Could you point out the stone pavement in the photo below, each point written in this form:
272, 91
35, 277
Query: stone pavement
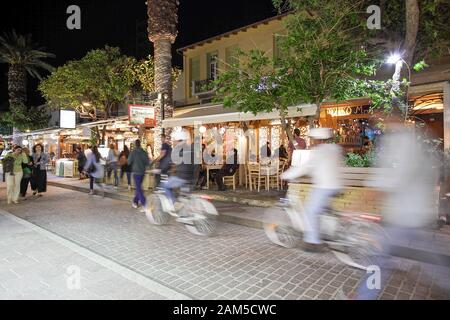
36, 264
248, 208
237, 263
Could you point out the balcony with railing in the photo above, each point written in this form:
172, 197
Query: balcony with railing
203, 89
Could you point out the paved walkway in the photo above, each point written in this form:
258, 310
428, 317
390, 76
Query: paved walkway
37, 264
247, 208
237, 263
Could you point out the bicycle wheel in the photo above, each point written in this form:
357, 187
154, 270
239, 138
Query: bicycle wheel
277, 228
154, 211
202, 216
362, 245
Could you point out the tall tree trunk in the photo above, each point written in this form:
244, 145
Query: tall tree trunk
17, 89
286, 126
163, 85
412, 28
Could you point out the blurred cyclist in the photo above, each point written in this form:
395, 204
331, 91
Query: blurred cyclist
324, 168
183, 158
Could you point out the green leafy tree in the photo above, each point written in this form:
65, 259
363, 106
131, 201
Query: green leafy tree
91, 86
323, 53
102, 79
328, 53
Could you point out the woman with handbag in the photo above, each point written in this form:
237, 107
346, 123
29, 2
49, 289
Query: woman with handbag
27, 172
40, 160
95, 170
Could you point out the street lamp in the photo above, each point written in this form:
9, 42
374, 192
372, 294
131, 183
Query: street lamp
396, 58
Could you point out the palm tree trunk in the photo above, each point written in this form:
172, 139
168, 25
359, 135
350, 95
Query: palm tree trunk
412, 28
17, 89
163, 85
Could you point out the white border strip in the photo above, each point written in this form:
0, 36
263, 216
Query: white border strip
139, 279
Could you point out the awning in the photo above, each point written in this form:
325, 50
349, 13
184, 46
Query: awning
219, 114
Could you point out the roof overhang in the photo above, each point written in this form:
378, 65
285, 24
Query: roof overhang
219, 114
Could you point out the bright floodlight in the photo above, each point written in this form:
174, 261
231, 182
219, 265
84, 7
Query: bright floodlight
394, 58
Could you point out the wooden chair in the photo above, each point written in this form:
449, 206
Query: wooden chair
273, 173
255, 176
283, 167
230, 180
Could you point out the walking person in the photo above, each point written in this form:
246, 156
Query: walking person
95, 170
40, 160
81, 162
112, 164
124, 167
27, 173
14, 173
139, 162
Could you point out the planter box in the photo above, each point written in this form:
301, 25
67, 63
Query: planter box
357, 196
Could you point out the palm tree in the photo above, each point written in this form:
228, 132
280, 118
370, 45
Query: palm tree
162, 31
23, 56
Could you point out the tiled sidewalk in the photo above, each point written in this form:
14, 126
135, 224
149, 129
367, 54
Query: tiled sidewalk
35, 264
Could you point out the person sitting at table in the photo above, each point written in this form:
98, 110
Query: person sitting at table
282, 153
228, 169
265, 153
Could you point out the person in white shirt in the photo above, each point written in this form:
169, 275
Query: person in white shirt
324, 167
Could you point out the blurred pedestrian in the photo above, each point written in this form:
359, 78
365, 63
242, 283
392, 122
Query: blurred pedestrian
81, 157
95, 170
406, 180
124, 167
112, 164
138, 161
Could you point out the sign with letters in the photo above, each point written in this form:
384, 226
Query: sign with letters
142, 115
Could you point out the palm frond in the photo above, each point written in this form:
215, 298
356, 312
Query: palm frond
16, 49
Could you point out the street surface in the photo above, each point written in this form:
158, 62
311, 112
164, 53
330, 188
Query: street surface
120, 255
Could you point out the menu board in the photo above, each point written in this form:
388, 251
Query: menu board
142, 115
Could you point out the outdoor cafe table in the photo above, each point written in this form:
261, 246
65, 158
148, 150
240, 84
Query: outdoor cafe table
211, 167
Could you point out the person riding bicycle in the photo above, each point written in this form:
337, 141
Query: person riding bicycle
324, 168
183, 159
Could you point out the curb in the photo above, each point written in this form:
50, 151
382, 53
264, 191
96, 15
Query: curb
222, 217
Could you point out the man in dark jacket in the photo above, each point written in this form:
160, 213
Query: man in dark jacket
228, 169
138, 161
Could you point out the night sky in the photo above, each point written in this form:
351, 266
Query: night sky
118, 23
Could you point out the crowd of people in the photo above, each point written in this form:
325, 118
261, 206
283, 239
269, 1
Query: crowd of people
22, 170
